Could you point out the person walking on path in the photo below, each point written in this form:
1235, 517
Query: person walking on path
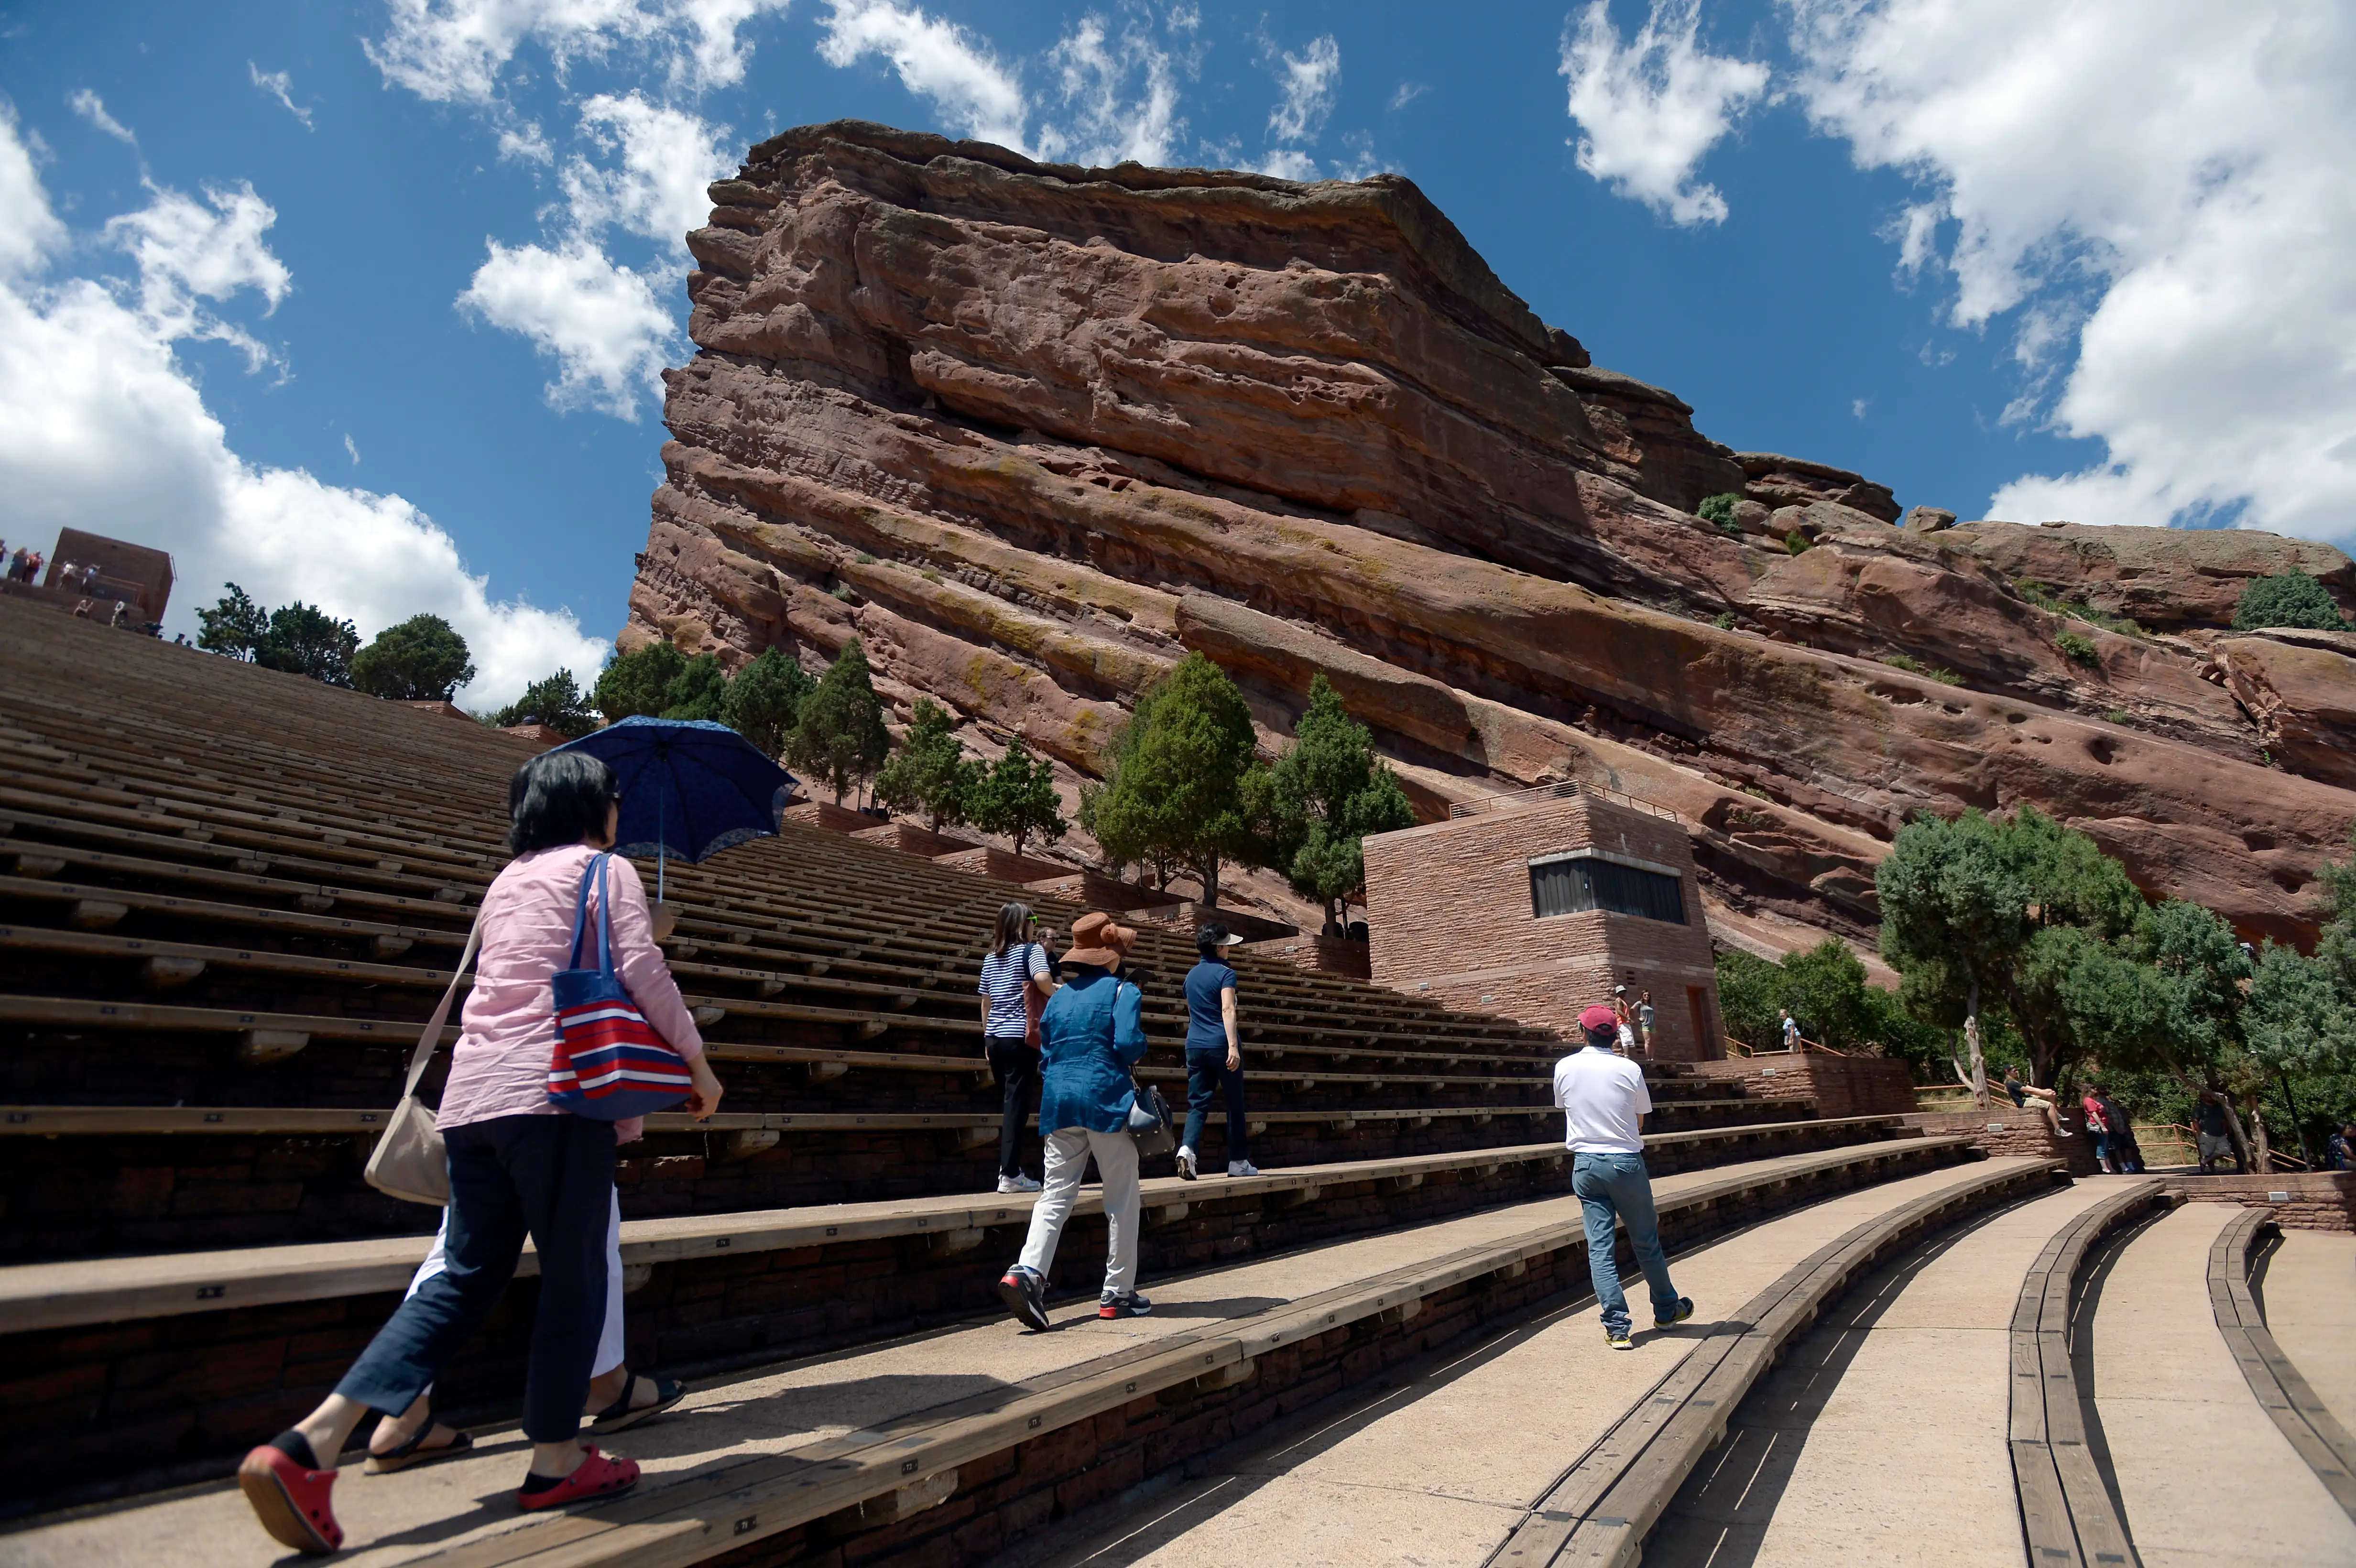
1015, 967
2342, 1147
1214, 1055
518, 1165
2098, 1127
1605, 1101
2213, 1132
2124, 1152
2047, 1101
1623, 1020
1644, 1020
1791, 1029
1092, 1033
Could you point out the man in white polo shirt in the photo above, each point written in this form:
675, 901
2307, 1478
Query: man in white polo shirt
1603, 1100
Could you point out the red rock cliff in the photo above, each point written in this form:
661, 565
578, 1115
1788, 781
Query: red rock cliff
1032, 432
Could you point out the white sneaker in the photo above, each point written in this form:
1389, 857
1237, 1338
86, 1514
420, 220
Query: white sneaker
1185, 1164
1242, 1168
1017, 1184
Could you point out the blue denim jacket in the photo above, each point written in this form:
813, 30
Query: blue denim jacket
1090, 1034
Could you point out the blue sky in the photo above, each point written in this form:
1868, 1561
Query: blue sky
418, 261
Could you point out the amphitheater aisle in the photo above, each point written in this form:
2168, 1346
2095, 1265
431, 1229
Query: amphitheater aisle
1882, 1438
2206, 1478
1439, 1467
2311, 1306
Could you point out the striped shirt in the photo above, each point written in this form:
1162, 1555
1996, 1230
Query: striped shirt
1003, 975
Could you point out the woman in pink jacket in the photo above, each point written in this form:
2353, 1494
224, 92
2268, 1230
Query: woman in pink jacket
519, 1166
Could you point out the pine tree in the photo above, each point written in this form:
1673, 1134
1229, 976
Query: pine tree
638, 682
1181, 772
1017, 797
234, 627
697, 691
1322, 798
765, 699
839, 736
556, 701
304, 639
930, 775
424, 659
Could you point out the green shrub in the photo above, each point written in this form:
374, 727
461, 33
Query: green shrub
1725, 622
865, 559
1718, 510
2291, 599
1913, 666
2036, 593
2119, 716
1906, 662
2080, 649
1798, 543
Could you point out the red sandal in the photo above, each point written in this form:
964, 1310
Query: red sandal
290, 1498
596, 1477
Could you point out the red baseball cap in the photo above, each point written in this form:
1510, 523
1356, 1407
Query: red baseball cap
1599, 1017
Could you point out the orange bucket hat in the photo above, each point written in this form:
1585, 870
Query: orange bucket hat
1097, 942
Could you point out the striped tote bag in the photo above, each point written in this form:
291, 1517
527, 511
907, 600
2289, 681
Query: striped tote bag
609, 1063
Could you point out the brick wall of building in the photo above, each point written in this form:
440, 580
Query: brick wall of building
2312, 1201
1331, 955
1448, 910
2010, 1132
1841, 1086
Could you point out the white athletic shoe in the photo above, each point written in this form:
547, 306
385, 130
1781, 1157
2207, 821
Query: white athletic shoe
1017, 1184
1242, 1168
1185, 1164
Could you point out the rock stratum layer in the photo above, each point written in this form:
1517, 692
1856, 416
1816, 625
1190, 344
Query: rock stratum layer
1034, 432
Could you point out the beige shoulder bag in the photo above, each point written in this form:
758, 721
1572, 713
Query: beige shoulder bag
410, 1163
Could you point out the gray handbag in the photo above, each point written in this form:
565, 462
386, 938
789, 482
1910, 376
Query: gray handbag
409, 1162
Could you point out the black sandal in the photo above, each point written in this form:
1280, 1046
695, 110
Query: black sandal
413, 1453
620, 1416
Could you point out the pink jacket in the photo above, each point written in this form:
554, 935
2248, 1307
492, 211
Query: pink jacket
499, 1067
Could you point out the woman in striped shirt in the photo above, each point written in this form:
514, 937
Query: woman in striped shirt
1016, 962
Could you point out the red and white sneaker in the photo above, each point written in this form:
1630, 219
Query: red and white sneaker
596, 1477
290, 1498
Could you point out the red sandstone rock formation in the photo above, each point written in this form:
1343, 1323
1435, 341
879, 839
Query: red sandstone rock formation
1032, 432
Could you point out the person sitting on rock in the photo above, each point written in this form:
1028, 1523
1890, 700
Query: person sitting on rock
2047, 1100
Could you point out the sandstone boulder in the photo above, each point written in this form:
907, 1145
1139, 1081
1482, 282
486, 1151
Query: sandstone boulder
1774, 480
2164, 577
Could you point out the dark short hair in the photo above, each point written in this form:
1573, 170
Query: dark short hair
559, 798
1210, 939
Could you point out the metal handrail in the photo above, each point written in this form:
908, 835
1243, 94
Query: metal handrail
1563, 790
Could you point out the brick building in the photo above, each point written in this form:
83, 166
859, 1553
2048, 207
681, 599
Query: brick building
1532, 906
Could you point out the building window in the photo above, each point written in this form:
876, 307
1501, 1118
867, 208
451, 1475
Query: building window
1571, 884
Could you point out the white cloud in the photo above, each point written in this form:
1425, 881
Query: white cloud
2156, 193
99, 420
1107, 126
1648, 112
1308, 78
189, 252
599, 320
92, 108
280, 85
1858, 406
454, 51
524, 142
667, 157
936, 60
1287, 165
1409, 92
351, 448
28, 230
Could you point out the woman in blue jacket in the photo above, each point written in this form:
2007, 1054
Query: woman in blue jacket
1090, 1034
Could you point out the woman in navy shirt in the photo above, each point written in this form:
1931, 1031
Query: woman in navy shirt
1214, 1058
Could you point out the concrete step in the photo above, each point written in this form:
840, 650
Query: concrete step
2308, 1291
995, 1427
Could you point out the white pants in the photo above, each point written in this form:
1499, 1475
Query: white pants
1068, 1160
610, 1343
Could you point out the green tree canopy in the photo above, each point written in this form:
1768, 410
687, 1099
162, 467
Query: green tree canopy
1017, 797
638, 682
234, 627
555, 700
1825, 986
839, 736
766, 698
424, 659
304, 639
1177, 793
2288, 599
698, 692
930, 775
1320, 801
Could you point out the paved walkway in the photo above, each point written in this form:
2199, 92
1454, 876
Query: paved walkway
1438, 1469
2309, 1293
1882, 1438
2206, 1478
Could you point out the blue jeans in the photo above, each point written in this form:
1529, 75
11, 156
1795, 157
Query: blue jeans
1206, 1072
1616, 1186
553, 1178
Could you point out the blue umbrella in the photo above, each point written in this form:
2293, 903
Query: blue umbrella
690, 788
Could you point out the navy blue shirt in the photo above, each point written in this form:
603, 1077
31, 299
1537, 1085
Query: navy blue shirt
1206, 1028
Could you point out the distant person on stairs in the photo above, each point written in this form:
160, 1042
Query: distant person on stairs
1214, 1054
1092, 1033
1604, 1100
519, 1166
1015, 970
